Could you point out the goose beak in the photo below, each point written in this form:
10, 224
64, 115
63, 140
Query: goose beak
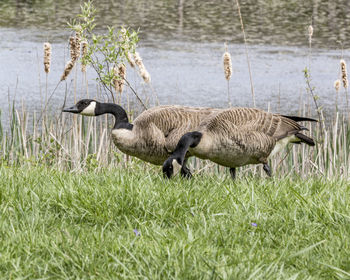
72, 109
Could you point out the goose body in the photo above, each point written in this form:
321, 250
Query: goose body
239, 136
154, 134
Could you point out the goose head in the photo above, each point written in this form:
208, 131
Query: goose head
172, 166
86, 107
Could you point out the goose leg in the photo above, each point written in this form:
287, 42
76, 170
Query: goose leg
233, 173
185, 171
267, 169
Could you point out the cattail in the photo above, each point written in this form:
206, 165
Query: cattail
84, 50
77, 44
47, 57
122, 76
131, 60
138, 60
67, 69
310, 31
337, 85
145, 75
344, 75
143, 72
72, 47
227, 65
119, 76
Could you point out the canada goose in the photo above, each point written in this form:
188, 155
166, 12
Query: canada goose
238, 136
154, 133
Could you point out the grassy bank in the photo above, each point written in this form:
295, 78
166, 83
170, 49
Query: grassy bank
131, 223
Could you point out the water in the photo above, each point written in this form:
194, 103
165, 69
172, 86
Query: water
181, 43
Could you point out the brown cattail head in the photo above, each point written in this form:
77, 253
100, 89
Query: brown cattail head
122, 76
67, 69
344, 74
131, 60
77, 44
72, 48
310, 30
227, 64
145, 75
337, 84
138, 60
47, 57
84, 50
143, 72
119, 76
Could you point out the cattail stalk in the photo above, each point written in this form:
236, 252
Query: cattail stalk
142, 69
246, 49
228, 72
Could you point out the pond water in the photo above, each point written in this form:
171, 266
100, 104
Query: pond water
182, 43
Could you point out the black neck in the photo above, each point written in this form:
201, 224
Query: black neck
121, 118
190, 139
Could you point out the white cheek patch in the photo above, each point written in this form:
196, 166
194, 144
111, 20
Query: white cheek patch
89, 110
176, 167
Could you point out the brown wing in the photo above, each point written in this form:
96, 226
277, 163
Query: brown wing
249, 120
171, 122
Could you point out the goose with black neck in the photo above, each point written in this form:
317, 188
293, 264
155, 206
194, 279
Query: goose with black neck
153, 135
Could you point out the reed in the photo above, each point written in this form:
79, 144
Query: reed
246, 48
80, 143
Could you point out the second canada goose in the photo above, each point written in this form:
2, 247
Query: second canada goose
238, 136
154, 133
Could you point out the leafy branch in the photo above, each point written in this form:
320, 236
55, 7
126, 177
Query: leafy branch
106, 51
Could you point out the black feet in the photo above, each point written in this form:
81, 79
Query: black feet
267, 169
233, 173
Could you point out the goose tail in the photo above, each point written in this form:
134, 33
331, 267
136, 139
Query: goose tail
300, 119
305, 139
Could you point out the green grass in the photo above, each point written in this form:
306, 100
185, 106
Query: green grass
61, 225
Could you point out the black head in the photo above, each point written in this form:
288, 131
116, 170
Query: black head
85, 107
172, 166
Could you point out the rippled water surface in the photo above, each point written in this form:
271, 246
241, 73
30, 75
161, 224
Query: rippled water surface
181, 43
